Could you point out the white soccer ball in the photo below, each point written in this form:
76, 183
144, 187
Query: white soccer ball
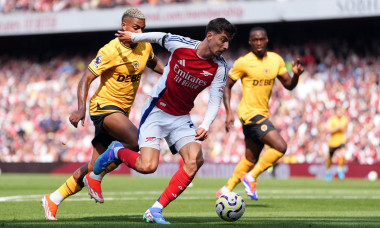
372, 176
230, 206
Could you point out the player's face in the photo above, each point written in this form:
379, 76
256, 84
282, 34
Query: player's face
218, 43
258, 41
133, 25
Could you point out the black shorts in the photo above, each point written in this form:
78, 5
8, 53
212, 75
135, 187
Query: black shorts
333, 149
259, 126
101, 135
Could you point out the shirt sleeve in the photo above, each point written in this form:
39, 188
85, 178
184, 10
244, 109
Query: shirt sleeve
166, 40
216, 95
237, 71
102, 62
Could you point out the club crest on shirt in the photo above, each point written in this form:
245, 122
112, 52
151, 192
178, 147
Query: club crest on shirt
264, 127
135, 65
206, 73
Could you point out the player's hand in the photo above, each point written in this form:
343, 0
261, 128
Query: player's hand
230, 119
201, 134
297, 68
124, 36
77, 116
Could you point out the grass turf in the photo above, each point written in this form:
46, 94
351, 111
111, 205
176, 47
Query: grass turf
282, 203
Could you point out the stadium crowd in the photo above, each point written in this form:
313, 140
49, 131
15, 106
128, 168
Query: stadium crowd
37, 97
11, 6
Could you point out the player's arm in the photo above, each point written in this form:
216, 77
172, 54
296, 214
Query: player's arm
82, 93
291, 82
216, 95
127, 37
156, 65
227, 103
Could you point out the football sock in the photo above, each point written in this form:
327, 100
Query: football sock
96, 177
56, 197
225, 189
157, 204
243, 167
177, 185
128, 156
328, 162
109, 169
70, 187
341, 162
267, 160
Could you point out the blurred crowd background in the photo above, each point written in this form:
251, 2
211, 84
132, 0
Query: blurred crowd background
37, 96
10, 6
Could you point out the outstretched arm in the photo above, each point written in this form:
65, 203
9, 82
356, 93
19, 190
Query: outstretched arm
127, 37
227, 104
82, 93
291, 82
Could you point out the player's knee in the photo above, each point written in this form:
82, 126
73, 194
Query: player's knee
148, 167
282, 147
194, 165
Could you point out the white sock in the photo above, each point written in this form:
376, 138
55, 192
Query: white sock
224, 189
157, 204
115, 150
56, 197
96, 177
249, 177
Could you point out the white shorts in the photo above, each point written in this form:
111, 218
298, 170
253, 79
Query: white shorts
156, 124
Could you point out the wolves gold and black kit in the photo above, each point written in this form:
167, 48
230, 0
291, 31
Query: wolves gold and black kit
120, 68
257, 78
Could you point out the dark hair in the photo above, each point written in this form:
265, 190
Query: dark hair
220, 25
257, 28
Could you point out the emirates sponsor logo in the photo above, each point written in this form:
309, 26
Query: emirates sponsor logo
186, 79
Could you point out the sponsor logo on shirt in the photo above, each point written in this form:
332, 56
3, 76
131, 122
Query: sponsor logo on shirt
149, 139
186, 79
182, 62
98, 59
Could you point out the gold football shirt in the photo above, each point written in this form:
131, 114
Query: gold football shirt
339, 137
257, 77
120, 68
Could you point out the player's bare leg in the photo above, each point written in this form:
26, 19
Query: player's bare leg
277, 149
120, 127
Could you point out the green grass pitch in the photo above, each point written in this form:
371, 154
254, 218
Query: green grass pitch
282, 203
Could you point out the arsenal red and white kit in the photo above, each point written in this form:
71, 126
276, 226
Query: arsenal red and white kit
166, 112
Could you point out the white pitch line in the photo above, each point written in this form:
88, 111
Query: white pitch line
192, 194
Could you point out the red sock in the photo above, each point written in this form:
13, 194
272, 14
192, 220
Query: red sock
129, 157
177, 185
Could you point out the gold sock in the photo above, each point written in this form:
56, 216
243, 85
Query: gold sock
243, 167
267, 160
341, 162
70, 187
328, 162
109, 169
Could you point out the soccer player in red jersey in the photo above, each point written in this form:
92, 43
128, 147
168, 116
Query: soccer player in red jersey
193, 66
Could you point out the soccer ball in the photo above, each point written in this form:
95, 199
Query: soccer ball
230, 206
372, 176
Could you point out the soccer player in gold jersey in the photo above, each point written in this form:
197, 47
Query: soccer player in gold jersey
336, 126
257, 71
119, 66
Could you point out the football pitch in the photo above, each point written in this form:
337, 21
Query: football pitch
282, 203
